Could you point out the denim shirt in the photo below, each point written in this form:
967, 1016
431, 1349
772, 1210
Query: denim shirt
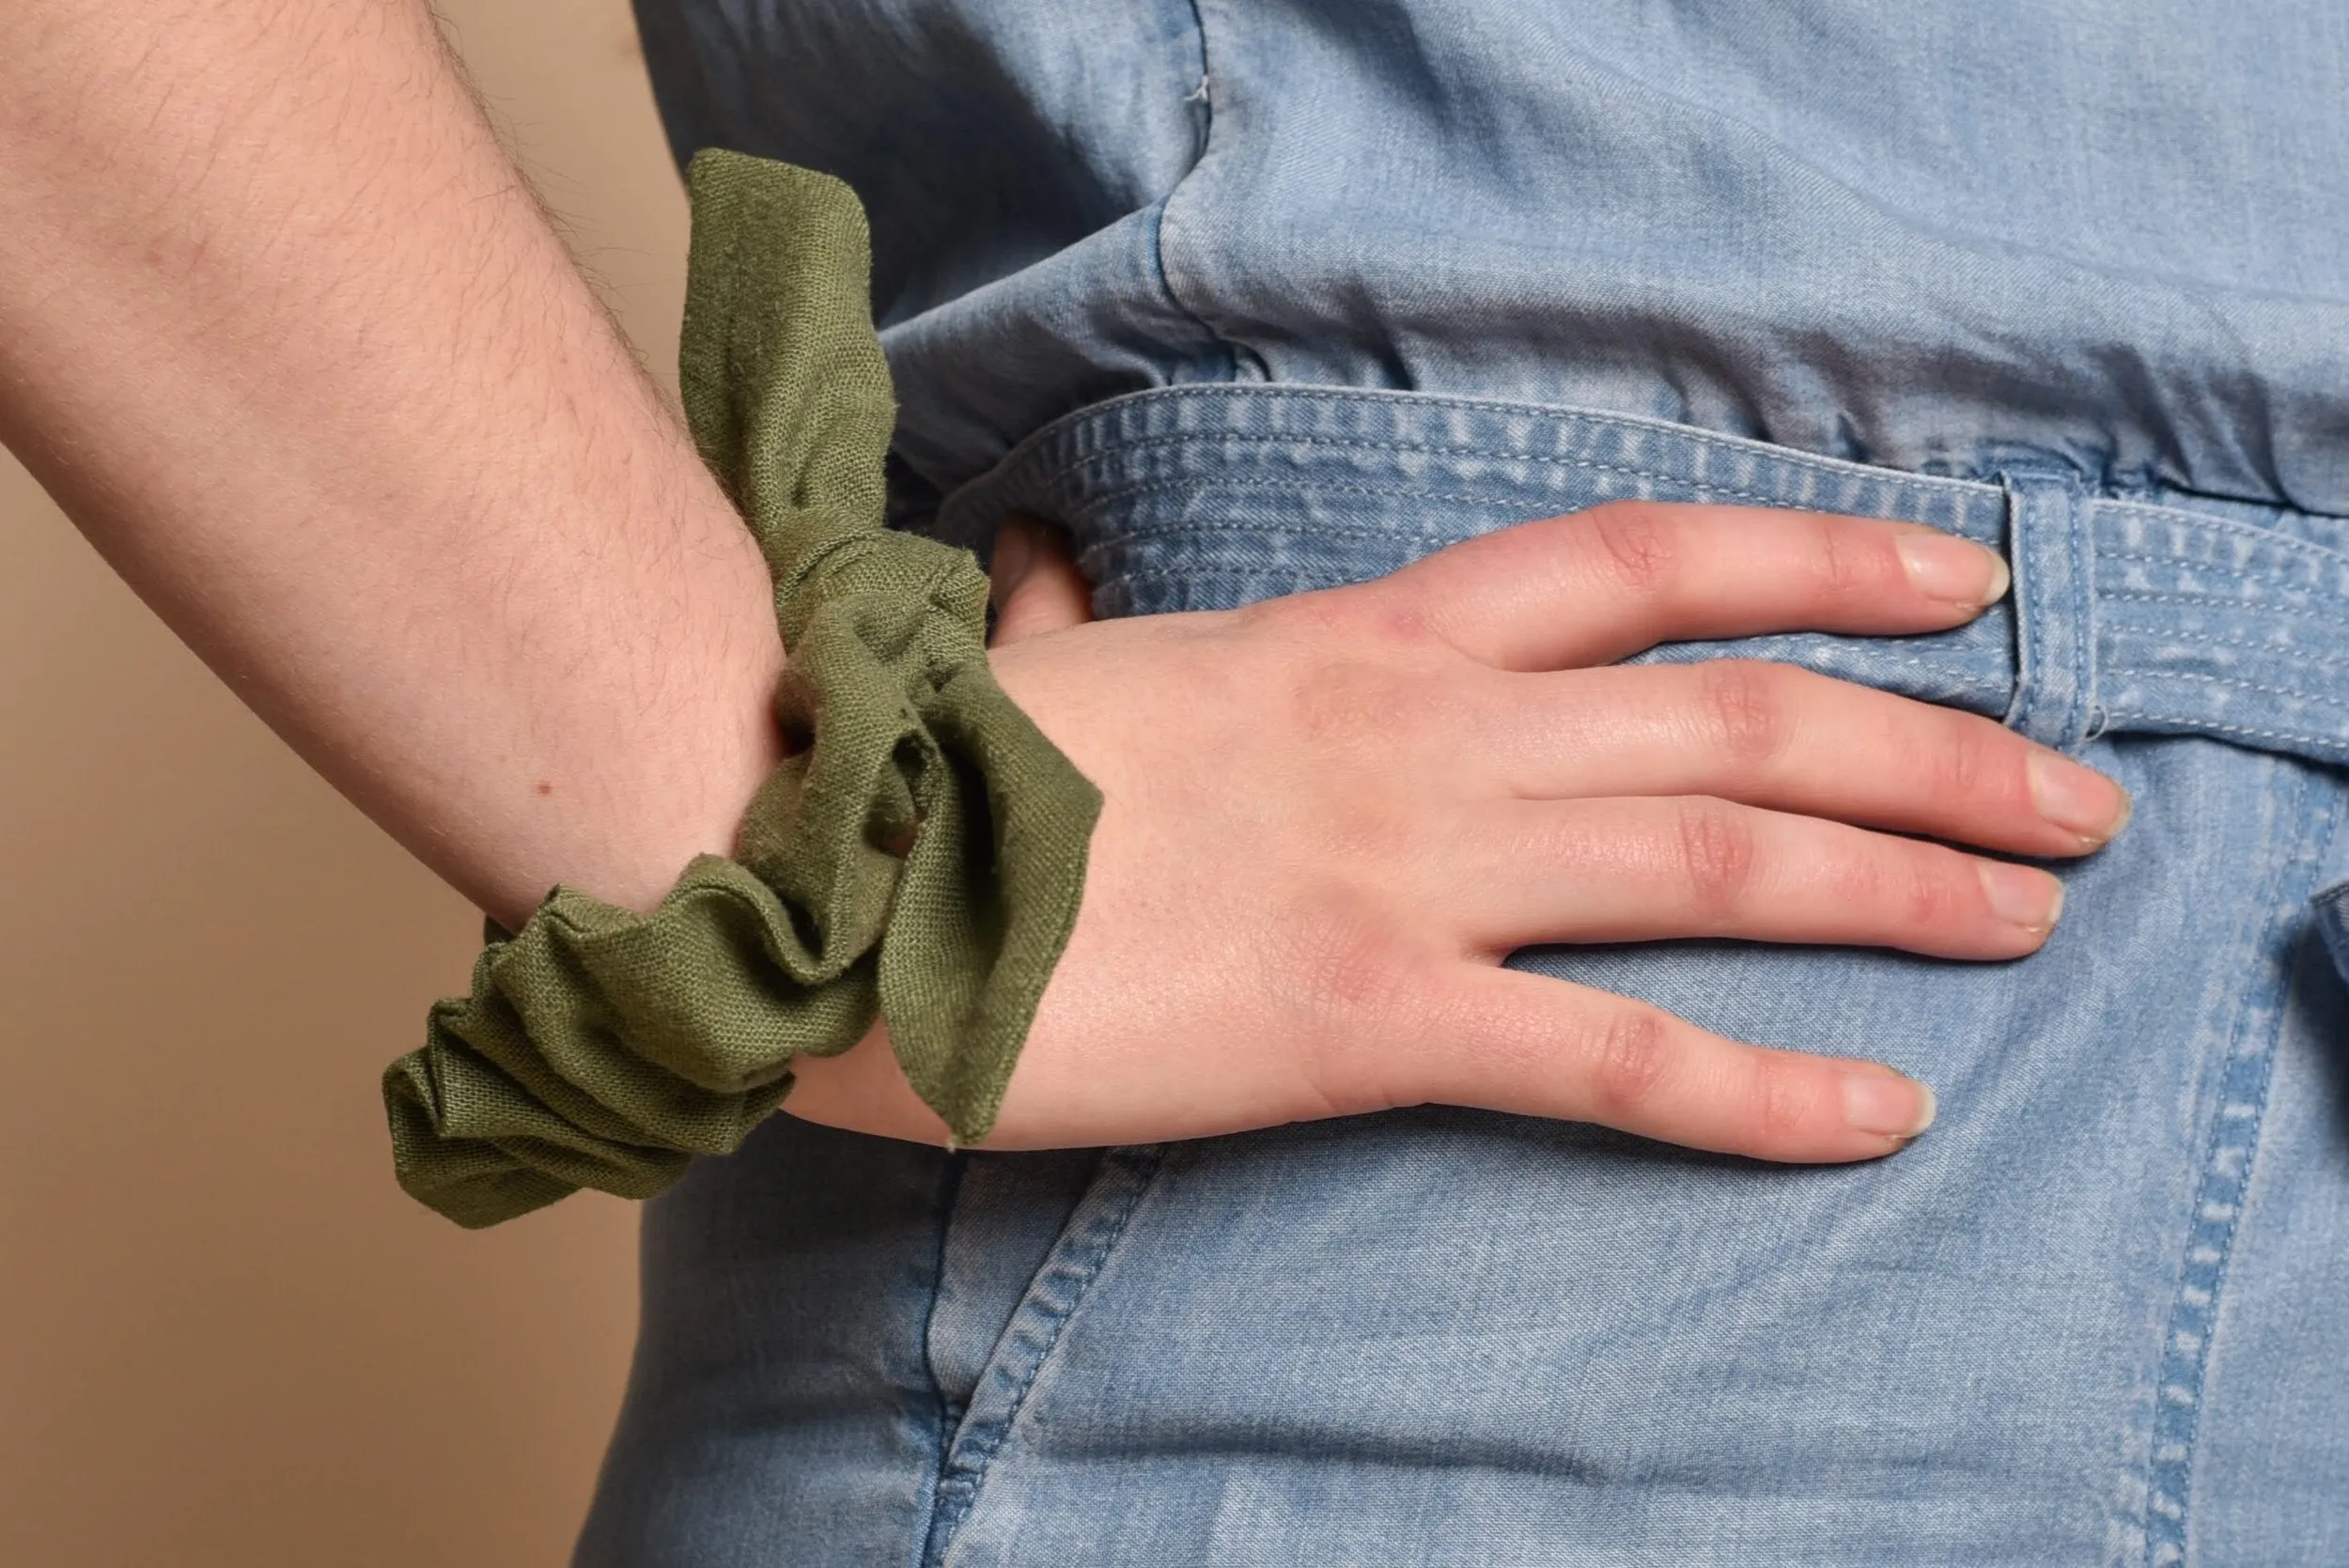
1942, 237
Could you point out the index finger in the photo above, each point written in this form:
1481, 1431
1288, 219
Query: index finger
1597, 586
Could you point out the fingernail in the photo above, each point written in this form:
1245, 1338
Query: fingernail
1954, 571
1887, 1105
2021, 895
1014, 554
2076, 798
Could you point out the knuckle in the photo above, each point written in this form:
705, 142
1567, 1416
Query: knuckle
1845, 563
1628, 1063
1386, 614
1783, 1099
1717, 855
1745, 711
1901, 892
1390, 619
1942, 895
1352, 994
1355, 682
1638, 549
1345, 971
1302, 616
1963, 764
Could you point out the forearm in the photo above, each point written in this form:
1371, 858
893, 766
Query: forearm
284, 333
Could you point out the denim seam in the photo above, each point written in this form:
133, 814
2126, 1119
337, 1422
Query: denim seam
943, 1422
2319, 698
1165, 205
2213, 1214
2164, 515
1029, 1340
2217, 601
2210, 640
2289, 553
1037, 445
1057, 478
1401, 489
2054, 602
1981, 490
1068, 466
2325, 745
1094, 499
1081, 423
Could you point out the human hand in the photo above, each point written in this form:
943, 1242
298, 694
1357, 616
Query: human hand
1327, 818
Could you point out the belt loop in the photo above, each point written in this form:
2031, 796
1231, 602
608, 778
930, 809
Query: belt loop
2050, 544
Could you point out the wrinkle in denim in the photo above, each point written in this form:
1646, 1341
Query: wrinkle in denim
1927, 237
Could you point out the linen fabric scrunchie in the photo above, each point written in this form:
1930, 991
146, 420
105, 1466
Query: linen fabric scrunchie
920, 857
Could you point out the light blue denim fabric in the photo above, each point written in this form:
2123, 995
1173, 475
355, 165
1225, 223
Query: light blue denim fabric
1260, 298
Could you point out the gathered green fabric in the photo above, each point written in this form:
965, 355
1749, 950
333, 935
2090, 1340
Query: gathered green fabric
920, 856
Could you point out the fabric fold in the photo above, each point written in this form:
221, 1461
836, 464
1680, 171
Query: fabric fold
919, 858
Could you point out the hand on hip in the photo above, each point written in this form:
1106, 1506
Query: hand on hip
1328, 817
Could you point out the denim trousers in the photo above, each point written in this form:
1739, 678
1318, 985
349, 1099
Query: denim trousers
1259, 300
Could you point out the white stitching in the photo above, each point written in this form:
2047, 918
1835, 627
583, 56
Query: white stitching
1056, 476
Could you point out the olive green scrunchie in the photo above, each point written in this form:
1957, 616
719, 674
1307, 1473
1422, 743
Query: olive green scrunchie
922, 857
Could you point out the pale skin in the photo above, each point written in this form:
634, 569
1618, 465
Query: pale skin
282, 329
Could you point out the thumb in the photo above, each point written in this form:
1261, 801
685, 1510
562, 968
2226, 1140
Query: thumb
1037, 585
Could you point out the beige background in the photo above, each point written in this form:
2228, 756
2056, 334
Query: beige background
225, 1336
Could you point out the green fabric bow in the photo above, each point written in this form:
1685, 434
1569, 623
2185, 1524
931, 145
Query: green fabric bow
922, 857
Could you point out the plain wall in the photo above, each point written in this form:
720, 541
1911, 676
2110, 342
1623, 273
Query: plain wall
226, 1337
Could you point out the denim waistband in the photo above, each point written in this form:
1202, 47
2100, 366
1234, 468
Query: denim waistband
2127, 615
